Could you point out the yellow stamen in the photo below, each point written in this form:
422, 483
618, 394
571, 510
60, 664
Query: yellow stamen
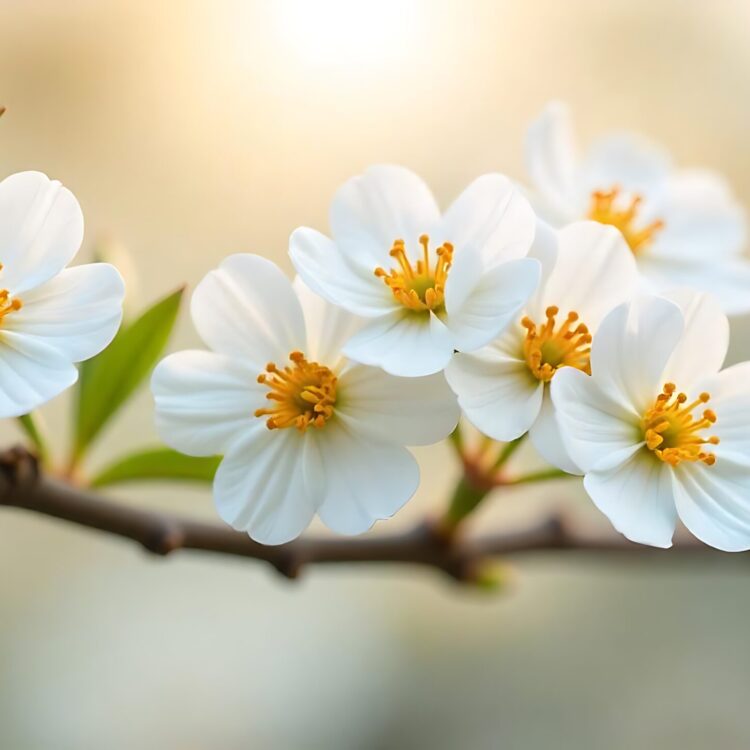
419, 287
8, 304
547, 350
304, 392
605, 211
671, 431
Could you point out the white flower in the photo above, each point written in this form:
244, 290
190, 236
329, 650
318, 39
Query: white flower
504, 387
659, 431
303, 430
684, 226
50, 316
428, 285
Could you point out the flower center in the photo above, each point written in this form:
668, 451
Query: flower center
547, 350
420, 287
304, 394
605, 210
8, 304
671, 431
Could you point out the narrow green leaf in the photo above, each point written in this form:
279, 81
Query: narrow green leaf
109, 379
34, 430
158, 463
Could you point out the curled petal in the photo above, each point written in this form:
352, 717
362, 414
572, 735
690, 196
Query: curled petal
403, 344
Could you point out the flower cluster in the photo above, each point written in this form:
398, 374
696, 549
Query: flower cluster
578, 312
540, 313
577, 315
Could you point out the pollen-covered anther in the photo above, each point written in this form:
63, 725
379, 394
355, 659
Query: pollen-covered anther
304, 392
549, 347
8, 304
670, 429
606, 208
419, 287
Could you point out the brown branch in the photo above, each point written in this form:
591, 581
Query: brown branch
460, 557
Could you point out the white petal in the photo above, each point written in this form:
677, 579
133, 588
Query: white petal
712, 502
631, 348
703, 345
260, 487
492, 304
730, 399
41, 229
405, 344
545, 249
597, 430
362, 480
595, 271
31, 373
637, 498
703, 222
77, 312
497, 393
727, 279
385, 203
546, 438
491, 218
328, 327
409, 411
246, 307
551, 158
628, 161
345, 279
204, 401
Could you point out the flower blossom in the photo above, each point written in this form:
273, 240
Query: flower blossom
427, 285
661, 432
684, 226
50, 316
503, 387
303, 430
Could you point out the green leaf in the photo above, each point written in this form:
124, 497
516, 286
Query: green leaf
158, 463
33, 428
108, 380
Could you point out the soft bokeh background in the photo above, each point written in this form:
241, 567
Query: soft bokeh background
191, 130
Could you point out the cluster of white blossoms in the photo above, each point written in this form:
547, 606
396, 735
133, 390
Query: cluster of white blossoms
579, 312
534, 315
577, 315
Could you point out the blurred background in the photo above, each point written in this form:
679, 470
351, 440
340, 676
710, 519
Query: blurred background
191, 130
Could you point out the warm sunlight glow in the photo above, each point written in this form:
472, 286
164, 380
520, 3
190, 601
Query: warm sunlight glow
362, 33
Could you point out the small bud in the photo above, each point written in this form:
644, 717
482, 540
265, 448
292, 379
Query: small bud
491, 576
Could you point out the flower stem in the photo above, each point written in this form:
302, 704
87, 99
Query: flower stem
457, 440
539, 476
508, 450
34, 429
466, 497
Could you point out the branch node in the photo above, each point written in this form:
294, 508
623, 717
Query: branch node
558, 530
290, 570
19, 469
164, 539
